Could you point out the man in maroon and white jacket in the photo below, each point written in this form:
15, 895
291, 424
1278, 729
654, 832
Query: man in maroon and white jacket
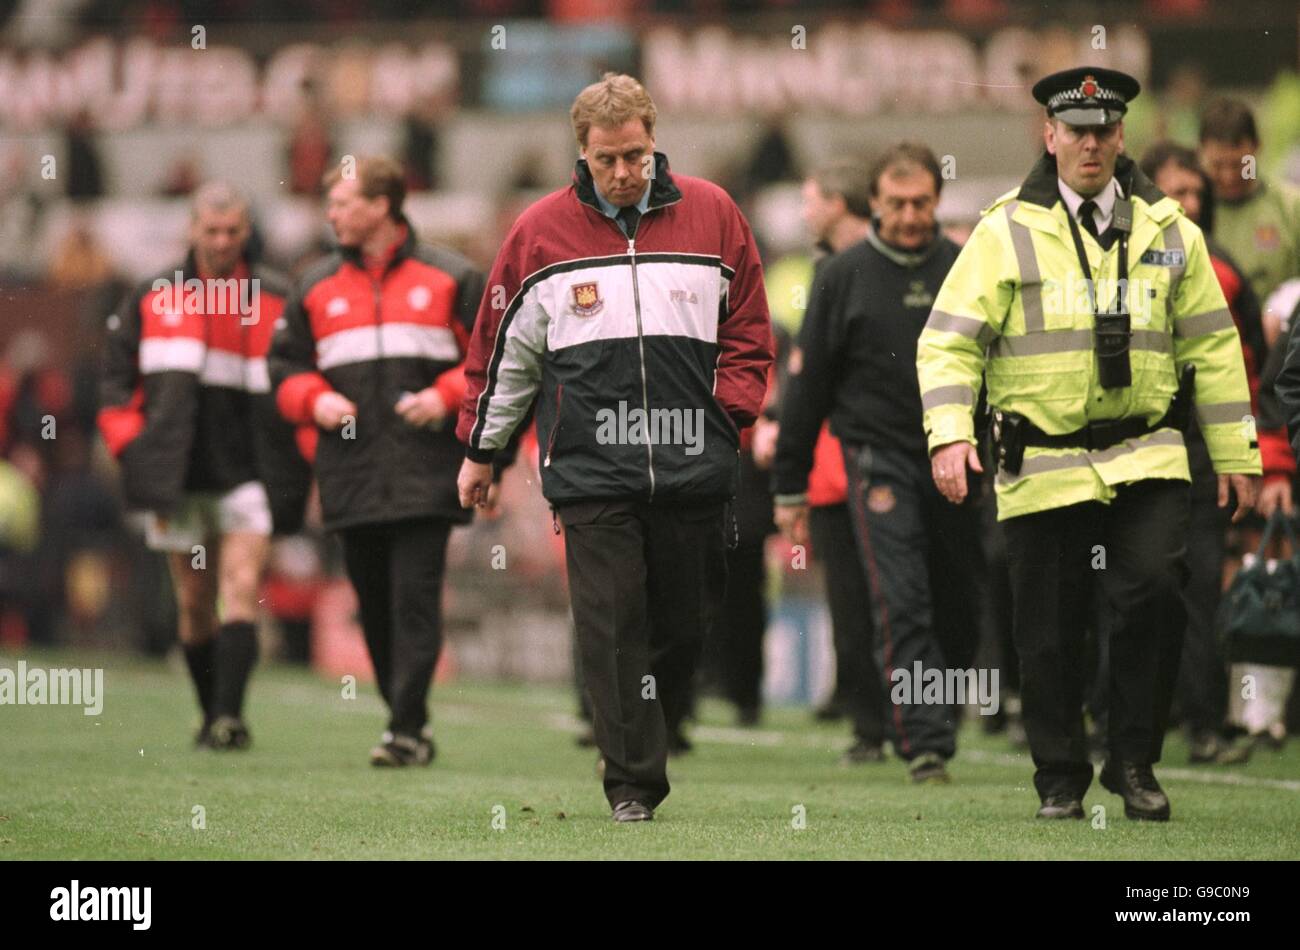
631, 306
187, 410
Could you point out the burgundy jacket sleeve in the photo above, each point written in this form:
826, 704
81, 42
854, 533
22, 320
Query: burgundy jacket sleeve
746, 346
502, 367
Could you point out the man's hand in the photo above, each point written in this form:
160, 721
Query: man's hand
1276, 494
948, 467
1246, 488
475, 484
764, 444
793, 522
424, 408
492, 508
330, 408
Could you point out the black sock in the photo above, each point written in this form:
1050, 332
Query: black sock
201, 659
236, 653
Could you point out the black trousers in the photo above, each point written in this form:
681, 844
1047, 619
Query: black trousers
924, 562
734, 650
998, 611
1202, 689
646, 582
857, 678
397, 569
1056, 559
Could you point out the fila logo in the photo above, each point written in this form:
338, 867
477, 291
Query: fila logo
337, 307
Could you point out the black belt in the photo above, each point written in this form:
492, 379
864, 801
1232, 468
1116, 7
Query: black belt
1096, 435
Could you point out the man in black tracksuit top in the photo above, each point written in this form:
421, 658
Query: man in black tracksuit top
856, 363
370, 354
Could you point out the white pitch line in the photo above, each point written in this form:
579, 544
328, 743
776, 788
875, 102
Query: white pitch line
769, 738
773, 738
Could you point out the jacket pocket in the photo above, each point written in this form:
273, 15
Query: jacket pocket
576, 514
555, 427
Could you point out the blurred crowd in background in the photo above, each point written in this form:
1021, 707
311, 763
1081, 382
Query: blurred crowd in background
90, 205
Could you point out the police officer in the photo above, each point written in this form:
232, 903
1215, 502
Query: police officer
1087, 303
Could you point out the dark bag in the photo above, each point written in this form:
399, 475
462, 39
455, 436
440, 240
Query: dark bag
1259, 617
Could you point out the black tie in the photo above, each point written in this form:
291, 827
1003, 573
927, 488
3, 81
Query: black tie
629, 217
1086, 211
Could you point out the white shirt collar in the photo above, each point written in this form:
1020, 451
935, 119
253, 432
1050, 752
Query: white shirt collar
1105, 202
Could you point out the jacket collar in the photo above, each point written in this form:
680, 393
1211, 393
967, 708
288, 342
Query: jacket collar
404, 250
1040, 187
901, 257
663, 191
1039, 196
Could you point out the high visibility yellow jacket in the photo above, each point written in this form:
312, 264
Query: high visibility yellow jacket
1014, 313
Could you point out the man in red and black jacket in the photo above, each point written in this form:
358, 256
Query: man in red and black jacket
369, 353
631, 306
187, 410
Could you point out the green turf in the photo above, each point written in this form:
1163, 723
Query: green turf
124, 785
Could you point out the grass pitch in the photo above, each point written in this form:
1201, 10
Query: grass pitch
125, 785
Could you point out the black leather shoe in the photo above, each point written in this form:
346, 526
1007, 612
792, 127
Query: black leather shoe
1060, 806
397, 751
1144, 799
229, 732
862, 752
928, 769
1203, 747
633, 811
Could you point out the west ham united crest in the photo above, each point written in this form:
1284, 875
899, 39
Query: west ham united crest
586, 300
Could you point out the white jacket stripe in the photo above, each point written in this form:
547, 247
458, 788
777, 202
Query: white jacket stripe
168, 354
361, 344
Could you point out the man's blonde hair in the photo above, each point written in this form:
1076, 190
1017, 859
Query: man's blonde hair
609, 103
380, 176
